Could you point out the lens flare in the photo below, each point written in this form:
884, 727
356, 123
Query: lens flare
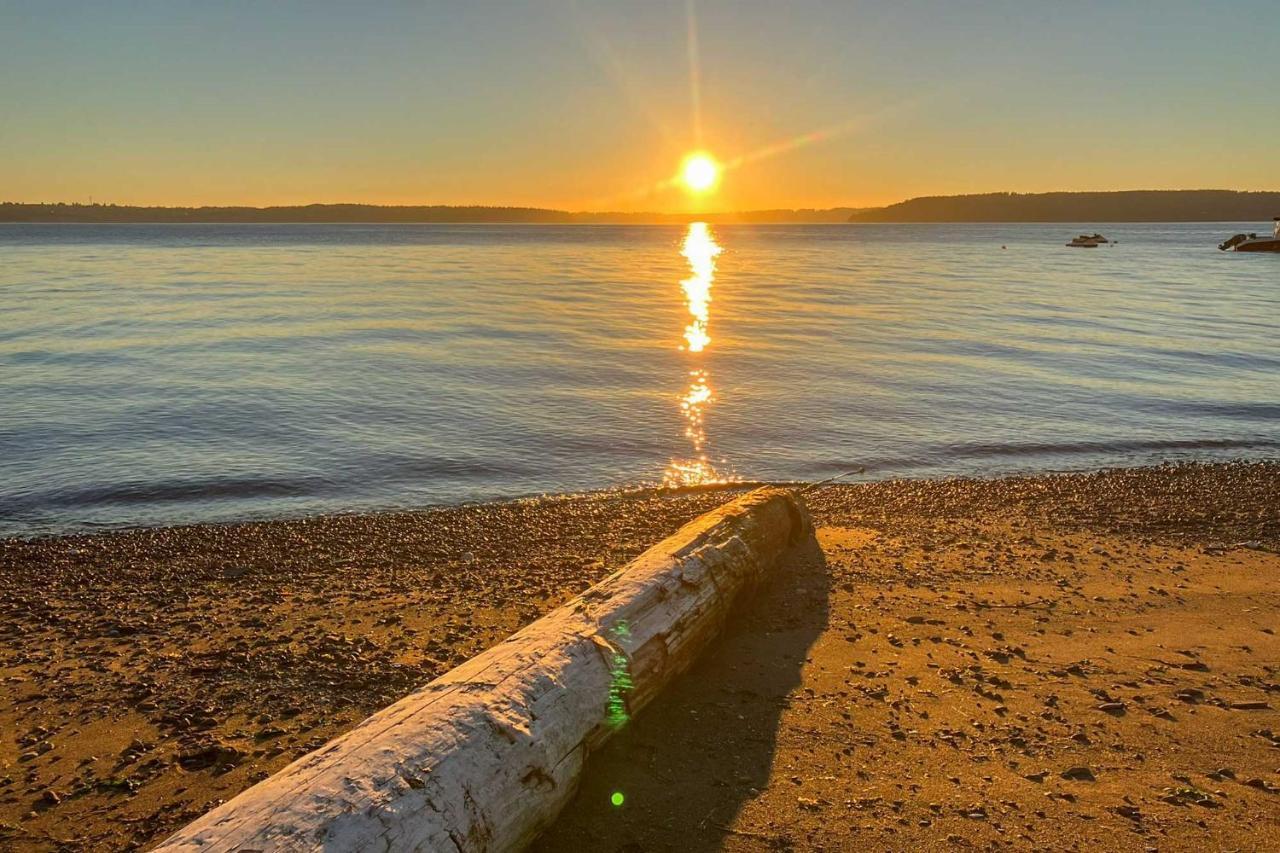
700, 250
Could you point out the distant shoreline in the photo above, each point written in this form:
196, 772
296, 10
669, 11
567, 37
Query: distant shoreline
987, 208
1063, 207
1066, 222
359, 214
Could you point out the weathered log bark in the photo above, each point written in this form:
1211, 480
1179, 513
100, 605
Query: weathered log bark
484, 757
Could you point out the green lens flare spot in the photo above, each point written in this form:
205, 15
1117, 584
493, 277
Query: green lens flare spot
617, 799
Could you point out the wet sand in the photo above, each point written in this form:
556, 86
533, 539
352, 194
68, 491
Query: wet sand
1083, 660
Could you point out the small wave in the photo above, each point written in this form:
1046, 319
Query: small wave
1228, 411
171, 491
934, 459
978, 451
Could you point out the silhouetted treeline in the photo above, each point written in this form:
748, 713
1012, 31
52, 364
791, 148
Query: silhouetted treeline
1128, 206
10, 212
369, 213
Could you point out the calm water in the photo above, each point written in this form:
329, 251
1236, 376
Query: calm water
154, 374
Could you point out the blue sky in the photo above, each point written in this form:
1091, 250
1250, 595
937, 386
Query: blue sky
588, 104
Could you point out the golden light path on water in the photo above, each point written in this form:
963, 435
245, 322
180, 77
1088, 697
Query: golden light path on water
700, 250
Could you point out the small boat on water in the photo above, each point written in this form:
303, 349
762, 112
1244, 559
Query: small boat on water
1088, 241
1254, 243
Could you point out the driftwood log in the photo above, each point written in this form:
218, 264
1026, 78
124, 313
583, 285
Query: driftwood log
485, 757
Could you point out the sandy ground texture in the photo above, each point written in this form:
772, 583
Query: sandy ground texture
1053, 662
147, 676
1060, 663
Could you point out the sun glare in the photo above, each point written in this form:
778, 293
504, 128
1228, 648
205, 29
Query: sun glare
700, 249
699, 172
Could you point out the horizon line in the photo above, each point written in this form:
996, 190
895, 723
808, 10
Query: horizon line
615, 212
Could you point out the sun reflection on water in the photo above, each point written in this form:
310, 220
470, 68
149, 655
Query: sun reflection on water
700, 249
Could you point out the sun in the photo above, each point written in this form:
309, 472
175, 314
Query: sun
699, 172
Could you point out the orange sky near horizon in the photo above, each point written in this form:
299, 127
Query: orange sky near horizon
582, 105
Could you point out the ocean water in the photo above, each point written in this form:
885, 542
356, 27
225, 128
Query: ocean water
173, 373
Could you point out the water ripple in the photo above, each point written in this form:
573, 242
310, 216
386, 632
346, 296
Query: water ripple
180, 373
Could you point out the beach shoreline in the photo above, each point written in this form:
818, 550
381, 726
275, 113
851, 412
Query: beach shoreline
149, 674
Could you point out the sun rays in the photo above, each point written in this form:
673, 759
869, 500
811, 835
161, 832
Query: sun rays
698, 174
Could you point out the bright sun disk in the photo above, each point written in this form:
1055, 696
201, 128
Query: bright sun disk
699, 172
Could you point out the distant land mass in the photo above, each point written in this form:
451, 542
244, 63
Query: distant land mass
1125, 206
372, 213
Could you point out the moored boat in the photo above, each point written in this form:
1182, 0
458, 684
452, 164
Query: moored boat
1252, 242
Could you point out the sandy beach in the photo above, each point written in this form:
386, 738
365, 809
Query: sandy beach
1065, 661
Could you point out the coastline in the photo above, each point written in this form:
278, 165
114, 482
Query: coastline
150, 673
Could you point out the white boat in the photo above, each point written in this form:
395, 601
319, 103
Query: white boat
1254, 243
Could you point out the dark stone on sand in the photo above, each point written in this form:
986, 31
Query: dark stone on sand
209, 755
1079, 774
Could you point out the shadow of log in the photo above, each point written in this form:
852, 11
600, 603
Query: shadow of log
690, 761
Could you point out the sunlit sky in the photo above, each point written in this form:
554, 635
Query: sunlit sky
590, 105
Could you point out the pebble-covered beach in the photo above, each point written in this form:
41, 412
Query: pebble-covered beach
962, 661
